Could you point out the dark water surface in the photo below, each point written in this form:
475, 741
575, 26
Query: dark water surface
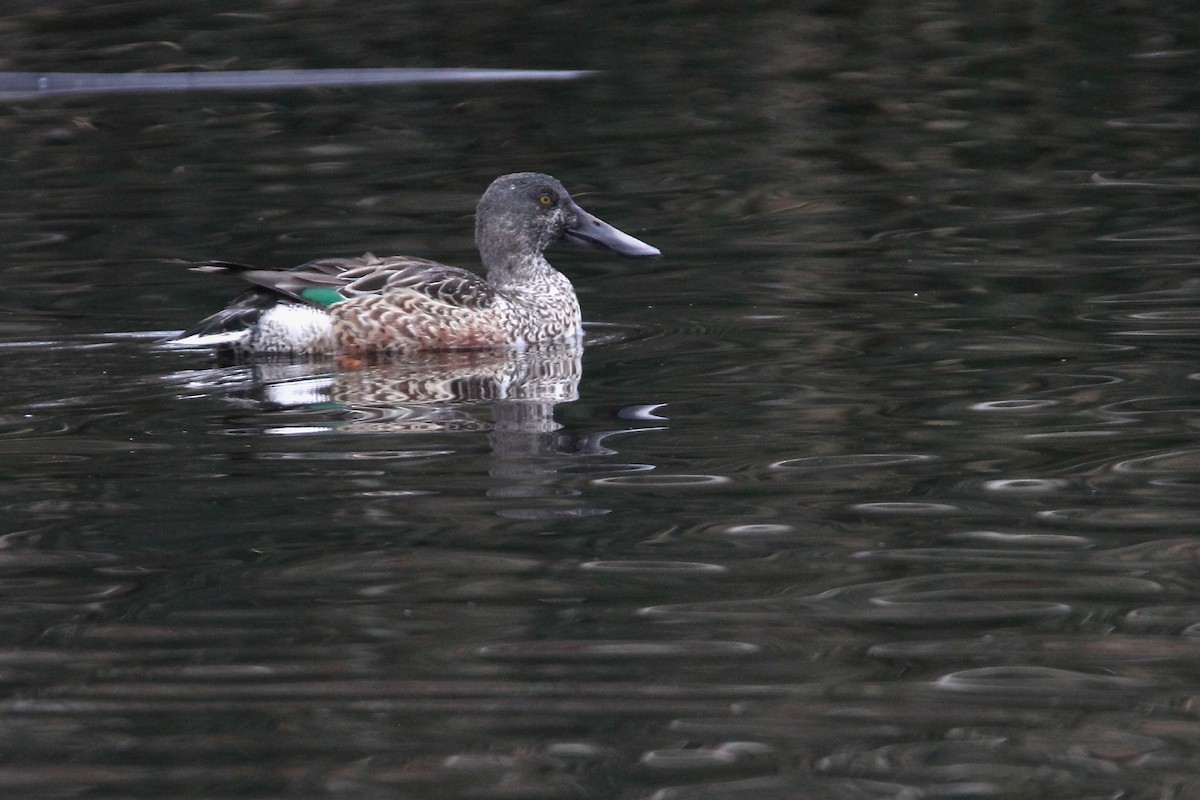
884, 482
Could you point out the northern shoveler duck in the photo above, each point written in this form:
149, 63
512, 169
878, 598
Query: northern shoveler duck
370, 305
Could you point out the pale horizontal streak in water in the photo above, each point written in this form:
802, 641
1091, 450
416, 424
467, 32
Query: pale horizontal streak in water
57, 83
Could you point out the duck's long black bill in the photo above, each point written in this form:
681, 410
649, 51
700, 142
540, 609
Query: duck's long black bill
595, 232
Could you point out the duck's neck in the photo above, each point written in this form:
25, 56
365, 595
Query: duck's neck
531, 272
510, 260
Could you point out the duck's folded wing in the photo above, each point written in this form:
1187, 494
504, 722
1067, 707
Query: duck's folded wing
332, 280
447, 285
327, 281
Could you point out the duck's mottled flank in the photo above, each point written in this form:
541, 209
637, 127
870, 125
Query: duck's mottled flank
371, 305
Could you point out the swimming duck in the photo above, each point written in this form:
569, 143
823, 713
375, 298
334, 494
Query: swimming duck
369, 305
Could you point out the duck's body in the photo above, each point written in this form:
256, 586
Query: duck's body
369, 305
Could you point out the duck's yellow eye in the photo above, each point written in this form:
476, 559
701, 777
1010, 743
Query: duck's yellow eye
545, 199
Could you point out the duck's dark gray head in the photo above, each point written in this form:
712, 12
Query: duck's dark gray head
522, 214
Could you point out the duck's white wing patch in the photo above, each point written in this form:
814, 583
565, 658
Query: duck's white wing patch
293, 328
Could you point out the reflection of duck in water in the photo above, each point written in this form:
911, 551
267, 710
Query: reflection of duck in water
543, 373
423, 391
369, 305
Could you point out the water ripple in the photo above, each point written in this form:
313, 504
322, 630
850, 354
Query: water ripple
1183, 552
1165, 120
1023, 540
983, 766
936, 600
790, 788
1166, 619
1015, 404
1137, 518
643, 412
62, 590
1024, 346
553, 512
361, 455
1067, 650
764, 529
387, 567
961, 557
854, 461
1159, 234
907, 508
1026, 485
653, 567
705, 760
657, 481
579, 650
1039, 684
1172, 462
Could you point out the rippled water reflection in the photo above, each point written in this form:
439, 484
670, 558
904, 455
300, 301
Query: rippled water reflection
881, 483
